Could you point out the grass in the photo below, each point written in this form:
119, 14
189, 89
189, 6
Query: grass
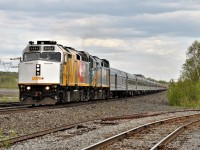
8, 80
9, 98
195, 104
5, 137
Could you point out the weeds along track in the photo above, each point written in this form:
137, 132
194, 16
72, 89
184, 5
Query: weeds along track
147, 135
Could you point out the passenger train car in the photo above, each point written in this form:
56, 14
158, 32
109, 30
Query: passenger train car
50, 73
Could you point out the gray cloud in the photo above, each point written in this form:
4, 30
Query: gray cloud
111, 7
148, 37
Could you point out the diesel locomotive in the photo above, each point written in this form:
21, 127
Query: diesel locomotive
50, 73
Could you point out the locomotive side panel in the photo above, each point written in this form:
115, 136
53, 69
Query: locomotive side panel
83, 73
113, 83
98, 77
105, 77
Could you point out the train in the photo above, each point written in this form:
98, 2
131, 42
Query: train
50, 73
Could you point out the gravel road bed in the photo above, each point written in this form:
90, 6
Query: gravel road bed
33, 121
148, 138
79, 138
190, 139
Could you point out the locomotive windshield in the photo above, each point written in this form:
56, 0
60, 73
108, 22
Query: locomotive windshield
49, 56
31, 56
54, 56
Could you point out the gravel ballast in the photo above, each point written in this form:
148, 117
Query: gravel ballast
34, 121
73, 139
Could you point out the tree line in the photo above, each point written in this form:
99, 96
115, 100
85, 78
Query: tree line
186, 91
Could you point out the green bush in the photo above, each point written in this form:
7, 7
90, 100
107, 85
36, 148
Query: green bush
184, 93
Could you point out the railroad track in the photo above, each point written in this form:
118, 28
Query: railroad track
105, 121
160, 132
163, 143
7, 104
16, 107
13, 108
7, 108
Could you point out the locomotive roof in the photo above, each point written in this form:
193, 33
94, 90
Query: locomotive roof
46, 42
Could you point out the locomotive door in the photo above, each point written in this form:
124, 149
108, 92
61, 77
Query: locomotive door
115, 81
126, 83
64, 72
92, 72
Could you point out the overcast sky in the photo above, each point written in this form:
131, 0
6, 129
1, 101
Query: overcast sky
148, 37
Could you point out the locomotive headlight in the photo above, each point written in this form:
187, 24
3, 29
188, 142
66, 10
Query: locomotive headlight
28, 87
47, 88
22, 86
54, 86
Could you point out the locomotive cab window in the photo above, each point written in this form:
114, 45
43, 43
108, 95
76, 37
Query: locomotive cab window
31, 56
51, 56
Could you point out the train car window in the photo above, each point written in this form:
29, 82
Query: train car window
97, 64
132, 82
85, 59
51, 56
78, 57
91, 62
106, 65
101, 64
69, 56
31, 56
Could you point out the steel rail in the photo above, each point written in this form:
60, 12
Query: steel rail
171, 136
72, 103
65, 127
20, 109
34, 135
23, 108
41, 133
142, 115
130, 132
16, 109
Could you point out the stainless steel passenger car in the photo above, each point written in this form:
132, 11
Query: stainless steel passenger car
124, 84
